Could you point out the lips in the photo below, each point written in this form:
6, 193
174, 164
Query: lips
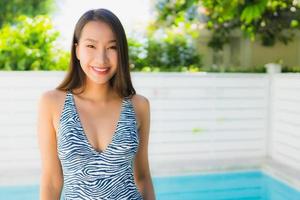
100, 70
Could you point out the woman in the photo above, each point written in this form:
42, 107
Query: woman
93, 129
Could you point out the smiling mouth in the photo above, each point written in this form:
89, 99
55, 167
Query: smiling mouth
100, 70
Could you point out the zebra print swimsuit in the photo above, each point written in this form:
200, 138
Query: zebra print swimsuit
90, 174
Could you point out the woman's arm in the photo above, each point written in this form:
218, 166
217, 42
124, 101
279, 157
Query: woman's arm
141, 165
51, 181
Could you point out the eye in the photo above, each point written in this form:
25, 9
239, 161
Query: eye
90, 46
112, 47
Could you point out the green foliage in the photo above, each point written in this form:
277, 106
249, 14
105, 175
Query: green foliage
253, 11
169, 69
137, 53
174, 12
29, 44
210, 69
291, 69
236, 69
169, 53
11, 9
270, 20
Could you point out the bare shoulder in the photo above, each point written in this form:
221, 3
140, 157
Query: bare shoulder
142, 108
53, 100
140, 101
52, 97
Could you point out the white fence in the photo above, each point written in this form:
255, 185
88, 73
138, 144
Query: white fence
195, 118
286, 119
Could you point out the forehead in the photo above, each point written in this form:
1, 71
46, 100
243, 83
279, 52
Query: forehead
97, 30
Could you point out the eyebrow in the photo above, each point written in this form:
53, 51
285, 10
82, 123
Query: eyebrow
95, 41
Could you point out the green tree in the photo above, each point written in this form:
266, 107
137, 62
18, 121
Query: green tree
270, 20
11, 9
29, 44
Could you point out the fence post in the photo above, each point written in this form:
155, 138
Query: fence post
272, 70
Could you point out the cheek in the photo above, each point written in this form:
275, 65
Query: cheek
113, 56
84, 53
85, 56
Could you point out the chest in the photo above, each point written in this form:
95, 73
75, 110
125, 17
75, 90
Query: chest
120, 141
98, 122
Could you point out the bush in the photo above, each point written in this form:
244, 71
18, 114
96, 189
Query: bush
172, 53
236, 69
137, 53
29, 44
291, 69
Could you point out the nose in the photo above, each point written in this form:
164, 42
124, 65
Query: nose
101, 58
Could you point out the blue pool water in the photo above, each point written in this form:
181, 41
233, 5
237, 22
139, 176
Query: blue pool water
253, 185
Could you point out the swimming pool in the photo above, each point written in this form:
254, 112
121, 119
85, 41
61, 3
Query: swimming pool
250, 185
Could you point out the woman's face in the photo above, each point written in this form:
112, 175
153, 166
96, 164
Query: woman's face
97, 52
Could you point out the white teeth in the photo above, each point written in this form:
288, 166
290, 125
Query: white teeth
101, 69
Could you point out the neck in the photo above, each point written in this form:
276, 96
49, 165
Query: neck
100, 93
